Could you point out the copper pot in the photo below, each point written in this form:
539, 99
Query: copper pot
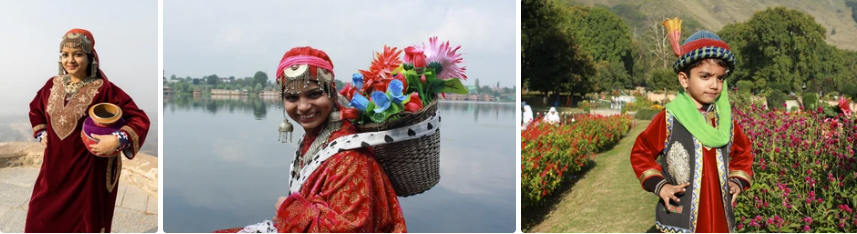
105, 114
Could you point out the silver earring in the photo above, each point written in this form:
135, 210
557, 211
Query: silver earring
94, 68
286, 129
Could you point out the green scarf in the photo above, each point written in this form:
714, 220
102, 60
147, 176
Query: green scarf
688, 115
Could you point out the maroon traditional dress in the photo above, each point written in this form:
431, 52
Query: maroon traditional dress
349, 192
705, 205
76, 190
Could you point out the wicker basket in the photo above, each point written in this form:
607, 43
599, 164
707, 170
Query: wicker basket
413, 166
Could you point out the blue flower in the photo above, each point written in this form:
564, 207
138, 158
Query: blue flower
357, 79
359, 101
395, 90
382, 101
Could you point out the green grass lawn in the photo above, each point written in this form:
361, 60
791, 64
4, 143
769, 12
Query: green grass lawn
607, 198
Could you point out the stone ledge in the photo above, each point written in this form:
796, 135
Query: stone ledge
142, 171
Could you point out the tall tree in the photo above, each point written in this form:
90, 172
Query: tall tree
780, 48
551, 59
602, 34
260, 78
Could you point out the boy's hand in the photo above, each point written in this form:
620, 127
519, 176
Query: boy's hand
668, 193
734, 189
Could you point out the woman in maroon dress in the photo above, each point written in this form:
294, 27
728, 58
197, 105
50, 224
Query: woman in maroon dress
76, 189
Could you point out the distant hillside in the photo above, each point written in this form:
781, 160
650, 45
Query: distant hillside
835, 15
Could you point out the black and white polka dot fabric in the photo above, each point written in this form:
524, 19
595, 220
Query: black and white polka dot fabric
427, 127
263, 227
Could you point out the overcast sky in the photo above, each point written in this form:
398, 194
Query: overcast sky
231, 38
126, 38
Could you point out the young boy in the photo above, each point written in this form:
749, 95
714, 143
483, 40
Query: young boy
692, 155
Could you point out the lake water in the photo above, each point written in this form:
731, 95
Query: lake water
224, 167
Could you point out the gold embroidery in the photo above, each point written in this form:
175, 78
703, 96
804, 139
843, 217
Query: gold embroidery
115, 179
740, 174
135, 140
64, 117
649, 173
38, 128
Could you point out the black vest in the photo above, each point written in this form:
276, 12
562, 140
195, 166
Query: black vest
681, 162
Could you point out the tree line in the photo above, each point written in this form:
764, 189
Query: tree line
574, 49
257, 83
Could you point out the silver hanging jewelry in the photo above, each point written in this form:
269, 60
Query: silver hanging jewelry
286, 129
94, 67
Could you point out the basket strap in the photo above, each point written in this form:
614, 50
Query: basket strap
427, 127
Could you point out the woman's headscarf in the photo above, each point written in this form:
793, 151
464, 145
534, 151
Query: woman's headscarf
82, 38
552, 116
528, 115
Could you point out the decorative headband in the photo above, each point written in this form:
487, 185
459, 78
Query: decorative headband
296, 70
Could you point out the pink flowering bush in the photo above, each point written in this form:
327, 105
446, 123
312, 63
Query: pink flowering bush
805, 171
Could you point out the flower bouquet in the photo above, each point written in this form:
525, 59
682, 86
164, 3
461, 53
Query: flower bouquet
391, 86
398, 99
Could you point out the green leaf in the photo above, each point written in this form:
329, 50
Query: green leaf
450, 86
381, 117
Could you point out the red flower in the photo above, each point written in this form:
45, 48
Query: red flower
415, 104
381, 85
416, 56
349, 113
381, 68
348, 91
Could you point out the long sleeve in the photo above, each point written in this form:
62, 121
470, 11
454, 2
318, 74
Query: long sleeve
741, 154
38, 116
136, 121
646, 149
348, 193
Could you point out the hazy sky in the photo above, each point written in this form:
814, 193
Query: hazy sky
238, 38
126, 38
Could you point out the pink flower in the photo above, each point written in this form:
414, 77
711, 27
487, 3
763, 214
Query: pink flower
806, 228
830, 176
758, 218
740, 226
445, 57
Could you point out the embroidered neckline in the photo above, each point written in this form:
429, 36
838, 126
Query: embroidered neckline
72, 88
65, 116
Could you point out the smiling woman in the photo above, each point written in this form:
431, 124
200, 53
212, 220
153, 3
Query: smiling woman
345, 192
76, 187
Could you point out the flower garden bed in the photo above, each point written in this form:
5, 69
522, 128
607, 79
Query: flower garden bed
549, 153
